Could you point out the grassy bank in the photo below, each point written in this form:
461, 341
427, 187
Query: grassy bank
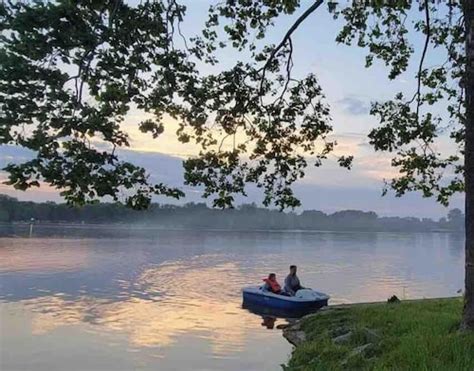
412, 335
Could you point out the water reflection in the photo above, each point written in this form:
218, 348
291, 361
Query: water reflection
269, 322
176, 299
35, 257
455, 241
152, 298
268, 312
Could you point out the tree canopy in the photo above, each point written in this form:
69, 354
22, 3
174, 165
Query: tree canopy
72, 70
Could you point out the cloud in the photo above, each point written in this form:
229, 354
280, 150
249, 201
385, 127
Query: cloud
14, 154
354, 105
168, 142
329, 188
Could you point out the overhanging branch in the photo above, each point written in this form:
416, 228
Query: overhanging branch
422, 60
287, 36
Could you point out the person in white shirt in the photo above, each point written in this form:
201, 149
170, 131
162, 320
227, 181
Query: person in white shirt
292, 282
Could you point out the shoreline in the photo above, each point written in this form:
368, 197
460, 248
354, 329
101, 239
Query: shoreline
295, 326
381, 335
146, 226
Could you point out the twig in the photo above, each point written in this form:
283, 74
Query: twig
422, 60
287, 36
222, 142
289, 66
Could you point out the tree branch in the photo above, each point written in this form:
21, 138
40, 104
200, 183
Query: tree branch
287, 36
289, 66
422, 60
425, 48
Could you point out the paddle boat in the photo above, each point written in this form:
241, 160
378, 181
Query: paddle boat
304, 300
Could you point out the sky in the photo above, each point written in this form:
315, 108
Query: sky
349, 88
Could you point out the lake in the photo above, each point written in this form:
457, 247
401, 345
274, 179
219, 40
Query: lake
119, 298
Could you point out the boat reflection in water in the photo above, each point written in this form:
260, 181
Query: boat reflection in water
275, 313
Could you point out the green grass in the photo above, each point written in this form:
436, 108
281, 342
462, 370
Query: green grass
413, 335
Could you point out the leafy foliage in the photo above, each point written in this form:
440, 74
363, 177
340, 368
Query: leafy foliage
72, 71
410, 126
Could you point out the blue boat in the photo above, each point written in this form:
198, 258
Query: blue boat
306, 300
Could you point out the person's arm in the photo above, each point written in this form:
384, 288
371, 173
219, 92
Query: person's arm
300, 287
288, 287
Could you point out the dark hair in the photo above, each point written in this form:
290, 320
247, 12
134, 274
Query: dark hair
292, 266
271, 275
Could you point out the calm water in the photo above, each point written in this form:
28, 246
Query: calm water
111, 299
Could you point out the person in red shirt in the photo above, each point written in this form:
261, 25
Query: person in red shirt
271, 284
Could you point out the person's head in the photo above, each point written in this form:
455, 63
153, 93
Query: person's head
293, 269
272, 276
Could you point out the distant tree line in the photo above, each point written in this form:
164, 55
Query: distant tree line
198, 215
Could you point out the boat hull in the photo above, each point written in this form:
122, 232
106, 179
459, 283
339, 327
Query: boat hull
257, 297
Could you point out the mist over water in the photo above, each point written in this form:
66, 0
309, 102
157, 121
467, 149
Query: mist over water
117, 298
